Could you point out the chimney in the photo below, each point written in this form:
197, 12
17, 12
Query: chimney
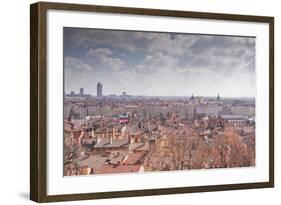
80, 137
112, 134
93, 133
99, 139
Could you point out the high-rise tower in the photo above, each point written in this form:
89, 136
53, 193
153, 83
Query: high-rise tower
99, 89
81, 91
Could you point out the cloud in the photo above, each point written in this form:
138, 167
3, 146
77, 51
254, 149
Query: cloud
150, 63
103, 56
156, 63
76, 65
99, 52
76, 73
175, 45
92, 38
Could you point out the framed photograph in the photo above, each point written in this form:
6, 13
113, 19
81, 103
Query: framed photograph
134, 102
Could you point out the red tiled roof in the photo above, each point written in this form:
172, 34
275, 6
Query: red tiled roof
109, 168
133, 158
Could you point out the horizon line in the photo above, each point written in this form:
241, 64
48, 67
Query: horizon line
208, 96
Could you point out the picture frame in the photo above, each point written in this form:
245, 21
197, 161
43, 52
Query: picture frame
40, 91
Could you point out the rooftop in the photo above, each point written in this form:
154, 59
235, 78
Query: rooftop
133, 158
108, 168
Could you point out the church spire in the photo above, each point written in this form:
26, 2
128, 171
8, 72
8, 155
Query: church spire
218, 97
192, 97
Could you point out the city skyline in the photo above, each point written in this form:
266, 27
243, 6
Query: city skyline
158, 64
72, 92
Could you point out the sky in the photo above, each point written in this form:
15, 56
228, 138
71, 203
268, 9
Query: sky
158, 64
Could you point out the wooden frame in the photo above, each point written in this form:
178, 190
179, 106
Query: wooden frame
38, 97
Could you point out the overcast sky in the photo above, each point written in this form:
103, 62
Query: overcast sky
158, 64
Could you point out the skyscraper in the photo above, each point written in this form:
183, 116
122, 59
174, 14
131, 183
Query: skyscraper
99, 89
81, 91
